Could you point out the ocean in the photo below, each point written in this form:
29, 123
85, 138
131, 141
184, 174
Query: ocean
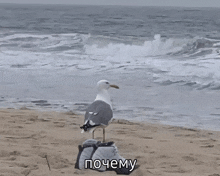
166, 60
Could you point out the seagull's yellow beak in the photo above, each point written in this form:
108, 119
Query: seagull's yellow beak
114, 86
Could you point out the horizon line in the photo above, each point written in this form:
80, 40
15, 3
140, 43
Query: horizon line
77, 4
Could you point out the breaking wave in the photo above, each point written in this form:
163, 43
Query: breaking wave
187, 61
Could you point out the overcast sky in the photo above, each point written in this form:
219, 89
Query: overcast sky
187, 3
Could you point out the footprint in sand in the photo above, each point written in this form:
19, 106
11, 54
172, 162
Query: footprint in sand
16, 153
56, 162
59, 124
188, 158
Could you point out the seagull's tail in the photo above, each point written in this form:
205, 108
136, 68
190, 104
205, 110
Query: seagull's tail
87, 126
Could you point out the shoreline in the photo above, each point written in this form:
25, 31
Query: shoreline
27, 136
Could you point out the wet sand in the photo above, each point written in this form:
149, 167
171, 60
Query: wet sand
29, 138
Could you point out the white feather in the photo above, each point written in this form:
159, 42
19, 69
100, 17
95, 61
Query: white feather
91, 122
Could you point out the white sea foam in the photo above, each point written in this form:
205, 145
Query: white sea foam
174, 60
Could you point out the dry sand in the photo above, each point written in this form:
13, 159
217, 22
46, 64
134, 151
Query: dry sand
27, 137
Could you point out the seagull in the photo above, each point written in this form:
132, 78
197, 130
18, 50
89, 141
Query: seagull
99, 113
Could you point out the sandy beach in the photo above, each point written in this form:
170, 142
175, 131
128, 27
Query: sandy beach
29, 138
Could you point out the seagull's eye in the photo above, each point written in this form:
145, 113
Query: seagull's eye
107, 82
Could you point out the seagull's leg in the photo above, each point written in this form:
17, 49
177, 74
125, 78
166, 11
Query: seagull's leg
93, 134
103, 134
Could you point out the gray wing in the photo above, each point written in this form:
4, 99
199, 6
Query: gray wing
99, 112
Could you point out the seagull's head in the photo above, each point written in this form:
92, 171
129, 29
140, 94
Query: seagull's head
104, 84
